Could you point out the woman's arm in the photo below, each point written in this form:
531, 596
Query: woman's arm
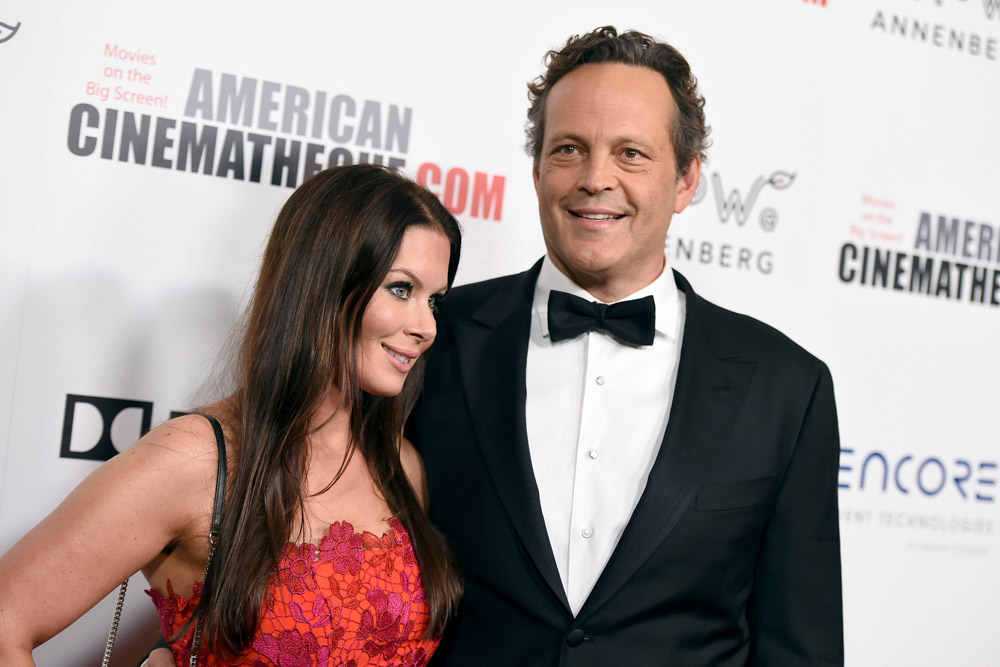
155, 494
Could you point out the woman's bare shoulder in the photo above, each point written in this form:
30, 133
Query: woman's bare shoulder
178, 460
179, 440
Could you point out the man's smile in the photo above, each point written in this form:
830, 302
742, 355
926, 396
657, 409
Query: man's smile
598, 216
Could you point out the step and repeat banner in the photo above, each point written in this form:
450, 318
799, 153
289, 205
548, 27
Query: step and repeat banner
851, 200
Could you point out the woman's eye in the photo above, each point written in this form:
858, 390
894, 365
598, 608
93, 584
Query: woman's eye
400, 290
433, 302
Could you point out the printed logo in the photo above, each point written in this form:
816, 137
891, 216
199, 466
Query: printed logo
938, 256
735, 208
932, 483
927, 30
739, 206
97, 428
951, 258
929, 476
7, 32
991, 8
234, 126
245, 129
481, 195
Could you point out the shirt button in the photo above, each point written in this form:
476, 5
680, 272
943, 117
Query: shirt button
594, 453
600, 380
586, 532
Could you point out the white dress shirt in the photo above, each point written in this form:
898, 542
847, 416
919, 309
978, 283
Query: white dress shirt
596, 413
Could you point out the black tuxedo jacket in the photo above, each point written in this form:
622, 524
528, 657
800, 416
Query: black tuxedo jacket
731, 557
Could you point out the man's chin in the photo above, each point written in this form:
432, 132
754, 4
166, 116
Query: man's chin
603, 226
587, 265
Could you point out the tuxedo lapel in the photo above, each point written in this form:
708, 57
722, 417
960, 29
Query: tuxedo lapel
712, 383
492, 351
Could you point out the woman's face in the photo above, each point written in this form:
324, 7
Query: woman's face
398, 325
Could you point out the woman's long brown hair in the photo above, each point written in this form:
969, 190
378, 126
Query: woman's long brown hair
332, 245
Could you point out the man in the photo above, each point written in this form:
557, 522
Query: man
654, 486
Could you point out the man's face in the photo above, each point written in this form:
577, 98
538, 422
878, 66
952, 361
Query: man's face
606, 178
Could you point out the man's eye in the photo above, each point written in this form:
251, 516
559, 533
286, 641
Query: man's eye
566, 150
631, 153
400, 290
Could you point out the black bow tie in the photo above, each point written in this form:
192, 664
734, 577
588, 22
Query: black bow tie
630, 321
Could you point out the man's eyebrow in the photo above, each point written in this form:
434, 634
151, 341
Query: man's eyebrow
620, 140
629, 140
565, 136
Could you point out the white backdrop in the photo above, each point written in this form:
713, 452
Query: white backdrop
837, 125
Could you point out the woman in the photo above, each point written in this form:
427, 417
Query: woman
325, 551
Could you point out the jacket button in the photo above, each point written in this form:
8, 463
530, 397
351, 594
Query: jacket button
575, 637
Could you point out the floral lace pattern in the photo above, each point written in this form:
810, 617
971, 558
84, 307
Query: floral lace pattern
356, 600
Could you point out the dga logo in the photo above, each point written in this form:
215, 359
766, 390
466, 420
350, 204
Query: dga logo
97, 428
740, 207
7, 32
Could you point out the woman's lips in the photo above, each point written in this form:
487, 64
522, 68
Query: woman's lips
401, 359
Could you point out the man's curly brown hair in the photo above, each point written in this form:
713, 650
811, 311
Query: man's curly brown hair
604, 45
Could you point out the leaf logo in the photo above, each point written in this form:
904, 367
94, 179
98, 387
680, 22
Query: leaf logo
738, 206
8, 31
780, 180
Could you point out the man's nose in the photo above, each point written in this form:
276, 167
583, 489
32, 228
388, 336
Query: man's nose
598, 174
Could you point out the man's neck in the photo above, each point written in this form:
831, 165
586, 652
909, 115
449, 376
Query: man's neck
609, 286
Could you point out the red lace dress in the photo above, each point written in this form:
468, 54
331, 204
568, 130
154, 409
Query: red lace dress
355, 600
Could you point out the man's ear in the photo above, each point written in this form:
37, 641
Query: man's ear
534, 174
687, 185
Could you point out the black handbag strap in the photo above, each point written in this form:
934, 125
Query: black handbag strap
220, 477
213, 538
213, 535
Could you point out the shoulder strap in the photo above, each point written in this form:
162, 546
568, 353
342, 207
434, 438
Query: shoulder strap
213, 535
220, 477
